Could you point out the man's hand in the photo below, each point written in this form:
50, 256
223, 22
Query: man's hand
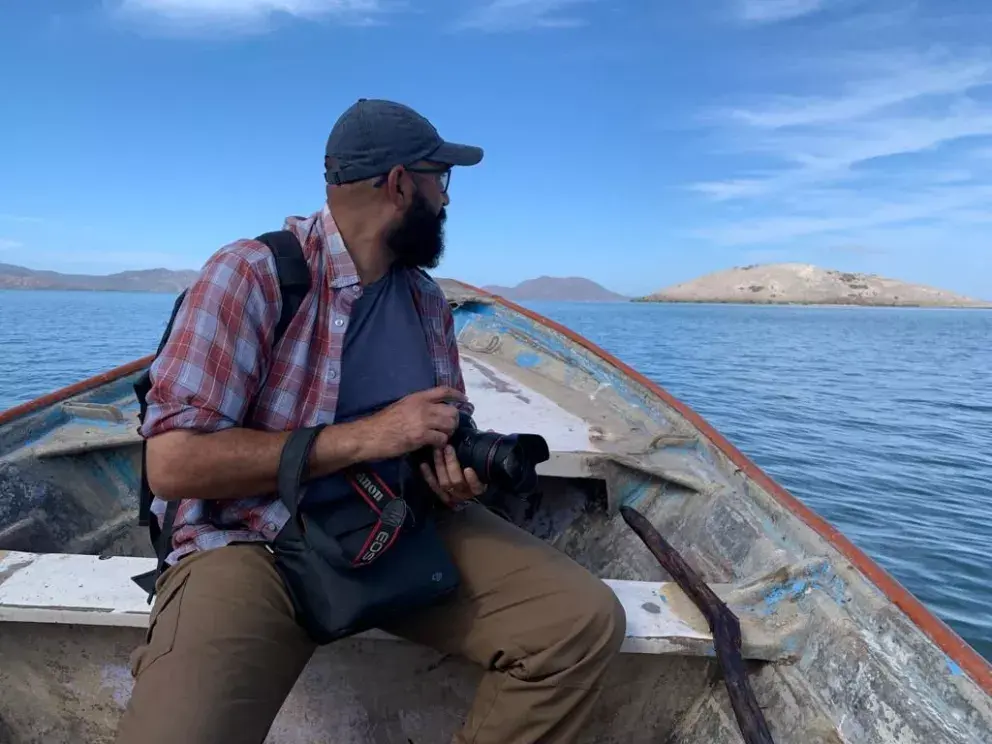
447, 479
421, 419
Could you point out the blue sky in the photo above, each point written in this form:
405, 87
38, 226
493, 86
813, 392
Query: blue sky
639, 143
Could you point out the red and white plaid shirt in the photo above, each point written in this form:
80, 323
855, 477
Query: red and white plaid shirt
219, 358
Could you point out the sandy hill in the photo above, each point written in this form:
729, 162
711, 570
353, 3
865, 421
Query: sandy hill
563, 289
805, 284
151, 280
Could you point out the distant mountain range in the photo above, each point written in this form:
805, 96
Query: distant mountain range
562, 289
173, 282
783, 283
150, 280
805, 284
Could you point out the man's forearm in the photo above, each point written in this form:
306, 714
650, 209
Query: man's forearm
240, 463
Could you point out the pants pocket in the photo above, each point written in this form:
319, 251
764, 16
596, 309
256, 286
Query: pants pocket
162, 628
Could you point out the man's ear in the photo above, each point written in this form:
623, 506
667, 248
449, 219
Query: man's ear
395, 188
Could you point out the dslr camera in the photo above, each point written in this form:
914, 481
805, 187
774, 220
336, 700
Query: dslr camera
506, 462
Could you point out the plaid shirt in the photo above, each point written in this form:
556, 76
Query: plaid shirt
219, 359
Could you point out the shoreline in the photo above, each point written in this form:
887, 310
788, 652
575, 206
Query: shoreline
801, 303
632, 300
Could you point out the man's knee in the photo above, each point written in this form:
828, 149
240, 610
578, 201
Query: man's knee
582, 633
603, 621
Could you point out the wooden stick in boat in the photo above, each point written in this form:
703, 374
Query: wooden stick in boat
724, 625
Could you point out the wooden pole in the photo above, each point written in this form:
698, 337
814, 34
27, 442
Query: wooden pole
724, 626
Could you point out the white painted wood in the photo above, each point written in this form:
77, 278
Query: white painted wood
653, 625
64, 588
67, 588
503, 404
74, 439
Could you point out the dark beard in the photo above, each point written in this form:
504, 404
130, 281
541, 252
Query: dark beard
418, 241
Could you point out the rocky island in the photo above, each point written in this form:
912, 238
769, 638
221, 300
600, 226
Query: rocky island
805, 284
559, 289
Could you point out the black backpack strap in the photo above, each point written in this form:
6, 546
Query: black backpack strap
162, 541
294, 283
294, 275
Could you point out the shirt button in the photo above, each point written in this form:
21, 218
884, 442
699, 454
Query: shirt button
271, 526
339, 322
332, 374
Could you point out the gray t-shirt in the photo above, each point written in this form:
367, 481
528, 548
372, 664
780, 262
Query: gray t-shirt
385, 358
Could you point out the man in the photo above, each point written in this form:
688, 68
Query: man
223, 649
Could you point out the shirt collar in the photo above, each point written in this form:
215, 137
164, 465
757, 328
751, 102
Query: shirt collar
342, 271
320, 226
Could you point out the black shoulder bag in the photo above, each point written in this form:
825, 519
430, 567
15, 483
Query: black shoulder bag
353, 563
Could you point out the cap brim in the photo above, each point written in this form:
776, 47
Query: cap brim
452, 154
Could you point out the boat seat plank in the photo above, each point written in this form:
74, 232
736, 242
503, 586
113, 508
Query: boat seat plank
62, 588
77, 439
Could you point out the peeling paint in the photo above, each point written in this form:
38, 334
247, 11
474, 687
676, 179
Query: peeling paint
632, 491
527, 360
819, 576
497, 319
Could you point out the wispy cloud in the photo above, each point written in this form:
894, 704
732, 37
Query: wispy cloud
852, 213
771, 11
9, 244
522, 15
895, 79
894, 144
256, 15
247, 14
844, 152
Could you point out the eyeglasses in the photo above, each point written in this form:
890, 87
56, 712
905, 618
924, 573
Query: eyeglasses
441, 175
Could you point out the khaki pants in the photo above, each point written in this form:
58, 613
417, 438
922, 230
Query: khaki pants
223, 650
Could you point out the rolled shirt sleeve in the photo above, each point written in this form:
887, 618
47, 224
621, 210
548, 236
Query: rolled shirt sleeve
212, 364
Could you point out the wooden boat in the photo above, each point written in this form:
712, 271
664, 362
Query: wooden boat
836, 651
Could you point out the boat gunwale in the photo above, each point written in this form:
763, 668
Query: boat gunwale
943, 636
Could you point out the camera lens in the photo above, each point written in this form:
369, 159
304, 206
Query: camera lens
507, 461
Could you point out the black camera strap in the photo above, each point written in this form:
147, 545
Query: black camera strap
390, 508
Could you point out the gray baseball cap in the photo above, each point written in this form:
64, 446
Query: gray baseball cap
373, 136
